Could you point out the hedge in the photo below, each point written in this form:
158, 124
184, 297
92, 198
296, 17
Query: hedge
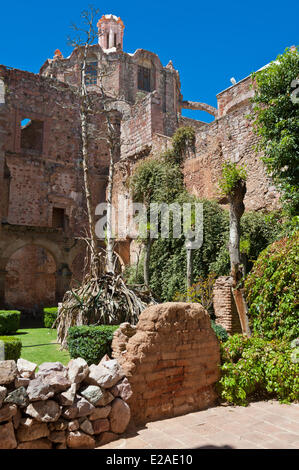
12, 347
90, 342
50, 315
271, 291
257, 369
9, 321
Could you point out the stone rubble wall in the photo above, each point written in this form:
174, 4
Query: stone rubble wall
58, 407
170, 359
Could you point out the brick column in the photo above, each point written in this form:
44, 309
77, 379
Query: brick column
224, 306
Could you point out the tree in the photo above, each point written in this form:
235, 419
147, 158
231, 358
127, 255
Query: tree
233, 185
161, 181
101, 298
275, 119
154, 181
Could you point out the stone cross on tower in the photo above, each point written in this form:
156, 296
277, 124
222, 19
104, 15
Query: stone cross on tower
111, 32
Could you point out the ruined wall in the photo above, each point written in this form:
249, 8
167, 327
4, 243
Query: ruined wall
171, 360
42, 190
224, 305
58, 407
230, 137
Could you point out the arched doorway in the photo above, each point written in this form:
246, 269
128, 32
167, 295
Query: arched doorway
30, 282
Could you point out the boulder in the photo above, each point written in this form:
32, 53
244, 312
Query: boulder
106, 398
18, 397
16, 419
21, 382
93, 393
8, 372
100, 413
120, 416
26, 368
100, 425
37, 444
3, 393
104, 376
77, 370
84, 407
68, 397
7, 412
86, 426
47, 367
57, 380
7, 436
58, 437
30, 430
122, 389
38, 390
105, 438
44, 411
80, 440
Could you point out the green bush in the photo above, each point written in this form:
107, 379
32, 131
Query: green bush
90, 342
12, 347
50, 315
220, 332
254, 369
272, 291
9, 321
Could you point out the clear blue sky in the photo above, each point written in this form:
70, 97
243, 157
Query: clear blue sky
209, 42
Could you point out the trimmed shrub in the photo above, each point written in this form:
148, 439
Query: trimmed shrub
9, 321
220, 332
50, 315
257, 369
272, 291
90, 342
12, 347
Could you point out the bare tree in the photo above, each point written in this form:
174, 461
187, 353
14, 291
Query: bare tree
101, 298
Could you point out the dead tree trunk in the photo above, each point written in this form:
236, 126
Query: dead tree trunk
84, 131
236, 211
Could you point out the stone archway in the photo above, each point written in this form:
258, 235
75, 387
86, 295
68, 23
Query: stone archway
30, 282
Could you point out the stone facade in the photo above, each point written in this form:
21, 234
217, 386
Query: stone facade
42, 201
58, 407
170, 359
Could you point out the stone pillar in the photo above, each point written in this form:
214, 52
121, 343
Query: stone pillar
63, 279
224, 305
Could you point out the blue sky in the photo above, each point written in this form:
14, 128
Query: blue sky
209, 42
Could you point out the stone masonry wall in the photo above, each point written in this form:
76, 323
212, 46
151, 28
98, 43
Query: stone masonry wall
58, 407
170, 359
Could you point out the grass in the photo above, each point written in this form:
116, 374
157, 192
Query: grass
38, 345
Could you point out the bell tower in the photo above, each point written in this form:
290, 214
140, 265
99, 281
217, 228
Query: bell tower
111, 32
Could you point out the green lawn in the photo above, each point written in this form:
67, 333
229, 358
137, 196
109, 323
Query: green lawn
38, 345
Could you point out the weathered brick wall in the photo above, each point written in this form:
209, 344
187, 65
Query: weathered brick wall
171, 361
41, 169
224, 305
